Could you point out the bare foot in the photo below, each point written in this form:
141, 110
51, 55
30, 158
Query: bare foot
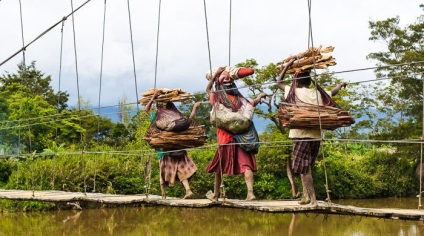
304, 201
211, 196
250, 197
189, 195
163, 197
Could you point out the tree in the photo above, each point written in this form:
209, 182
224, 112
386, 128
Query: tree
401, 100
36, 83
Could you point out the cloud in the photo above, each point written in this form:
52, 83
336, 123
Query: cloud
267, 31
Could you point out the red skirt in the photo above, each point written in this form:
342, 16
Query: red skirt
232, 160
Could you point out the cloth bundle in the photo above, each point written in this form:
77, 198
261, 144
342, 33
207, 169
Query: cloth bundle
234, 122
233, 71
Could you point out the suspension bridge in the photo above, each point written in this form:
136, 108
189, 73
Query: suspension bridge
76, 199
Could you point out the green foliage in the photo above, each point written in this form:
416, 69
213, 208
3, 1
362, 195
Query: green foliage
400, 101
25, 206
360, 172
5, 171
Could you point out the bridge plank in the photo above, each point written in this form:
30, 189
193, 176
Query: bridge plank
281, 206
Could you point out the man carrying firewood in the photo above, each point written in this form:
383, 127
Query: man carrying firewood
306, 142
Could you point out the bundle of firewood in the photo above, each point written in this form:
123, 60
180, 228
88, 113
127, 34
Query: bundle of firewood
308, 116
165, 95
308, 60
194, 136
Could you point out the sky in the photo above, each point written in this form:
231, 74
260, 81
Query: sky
265, 30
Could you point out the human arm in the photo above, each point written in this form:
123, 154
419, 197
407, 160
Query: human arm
193, 111
214, 77
149, 104
336, 89
280, 78
245, 71
258, 99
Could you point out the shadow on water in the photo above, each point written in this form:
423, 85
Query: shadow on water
160, 220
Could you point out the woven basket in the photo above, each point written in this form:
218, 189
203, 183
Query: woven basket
194, 136
308, 116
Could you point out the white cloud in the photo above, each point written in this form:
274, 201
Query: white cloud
266, 30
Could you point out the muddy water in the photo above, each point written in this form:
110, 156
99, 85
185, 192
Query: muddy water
160, 220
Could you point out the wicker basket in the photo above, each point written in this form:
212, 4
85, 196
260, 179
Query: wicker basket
194, 136
308, 116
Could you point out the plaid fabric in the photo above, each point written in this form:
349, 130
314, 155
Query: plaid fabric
176, 168
305, 153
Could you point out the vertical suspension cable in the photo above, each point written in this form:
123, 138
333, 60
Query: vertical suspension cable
157, 43
207, 38
76, 58
421, 156
100, 91
135, 78
229, 35
24, 70
222, 186
311, 42
60, 71
22, 33
132, 51
79, 100
101, 67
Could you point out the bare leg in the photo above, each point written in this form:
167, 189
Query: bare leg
305, 198
309, 184
189, 193
217, 184
162, 188
248, 177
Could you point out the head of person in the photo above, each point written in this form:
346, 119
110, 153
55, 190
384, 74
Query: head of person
303, 79
167, 105
225, 78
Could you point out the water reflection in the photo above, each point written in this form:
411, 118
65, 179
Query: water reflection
160, 220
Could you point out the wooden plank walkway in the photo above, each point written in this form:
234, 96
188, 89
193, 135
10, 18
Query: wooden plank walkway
275, 206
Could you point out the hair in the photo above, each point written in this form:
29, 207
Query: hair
304, 78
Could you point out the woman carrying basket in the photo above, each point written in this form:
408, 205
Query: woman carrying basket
236, 153
306, 142
173, 164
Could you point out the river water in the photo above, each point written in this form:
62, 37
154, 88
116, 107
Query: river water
160, 220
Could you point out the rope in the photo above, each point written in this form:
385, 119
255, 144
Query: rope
24, 72
132, 51
60, 72
229, 34
310, 37
147, 179
421, 154
222, 186
79, 97
101, 64
43, 33
100, 89
22, 32
157, 44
